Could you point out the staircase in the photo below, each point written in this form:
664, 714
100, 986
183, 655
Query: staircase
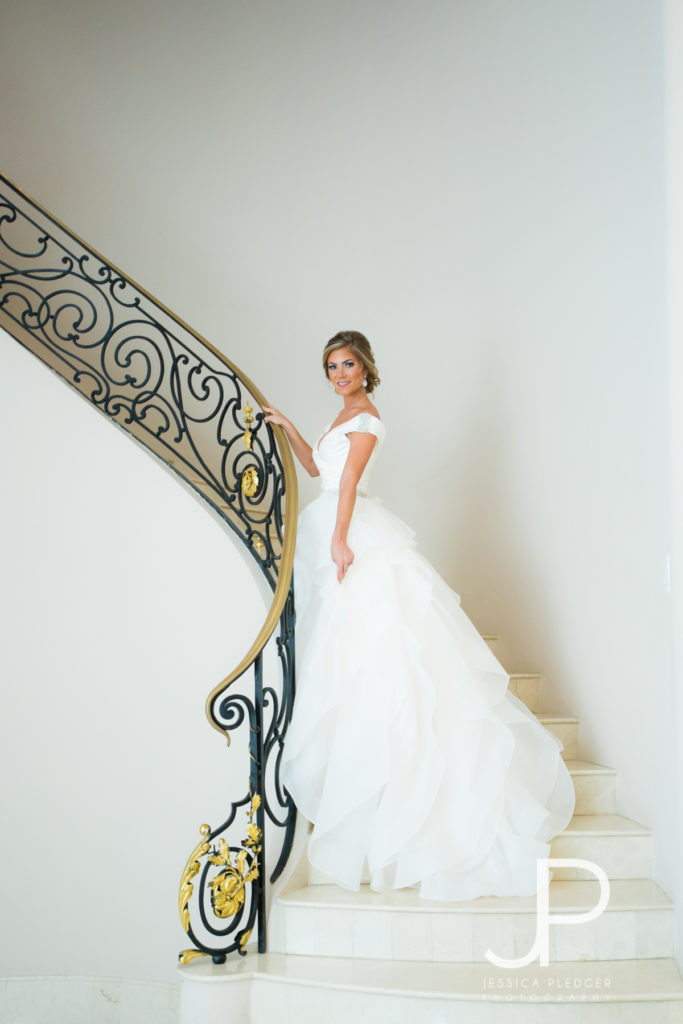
394, 958
390, 957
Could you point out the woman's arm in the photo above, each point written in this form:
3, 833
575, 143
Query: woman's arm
301, 448
356, 461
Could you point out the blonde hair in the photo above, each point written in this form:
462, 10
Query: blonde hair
360, 346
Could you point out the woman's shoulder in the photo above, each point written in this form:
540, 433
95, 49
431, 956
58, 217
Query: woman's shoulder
367, 423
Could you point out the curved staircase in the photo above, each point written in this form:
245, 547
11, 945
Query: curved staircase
394, 958
388, 956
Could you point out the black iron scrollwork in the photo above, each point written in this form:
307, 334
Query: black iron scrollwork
188, 405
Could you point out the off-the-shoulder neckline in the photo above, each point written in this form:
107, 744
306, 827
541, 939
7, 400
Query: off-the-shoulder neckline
343, 424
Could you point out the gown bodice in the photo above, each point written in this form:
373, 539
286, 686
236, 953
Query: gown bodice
332, 450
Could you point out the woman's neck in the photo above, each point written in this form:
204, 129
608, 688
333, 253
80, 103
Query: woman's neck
357, 404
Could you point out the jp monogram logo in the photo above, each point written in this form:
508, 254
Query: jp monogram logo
544, 918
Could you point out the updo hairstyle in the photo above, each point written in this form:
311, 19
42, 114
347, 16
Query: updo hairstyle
360, 346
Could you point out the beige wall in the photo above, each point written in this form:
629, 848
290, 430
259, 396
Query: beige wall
479, 186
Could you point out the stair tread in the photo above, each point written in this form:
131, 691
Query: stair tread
547, 716
605, 825
623, 980
579, 767
565, 894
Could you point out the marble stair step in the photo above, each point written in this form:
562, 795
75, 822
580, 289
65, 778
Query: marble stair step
595, 789
595, 786
526, 686
565, 729
292, 989
325, 920
622, 847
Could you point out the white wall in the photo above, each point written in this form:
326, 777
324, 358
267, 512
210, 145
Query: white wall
674, 32
122, 605
479, 186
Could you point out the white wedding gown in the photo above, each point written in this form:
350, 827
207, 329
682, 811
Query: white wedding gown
405, 749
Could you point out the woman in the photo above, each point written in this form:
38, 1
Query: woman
415, 764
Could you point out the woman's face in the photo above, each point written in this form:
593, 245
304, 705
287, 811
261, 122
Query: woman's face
345, 370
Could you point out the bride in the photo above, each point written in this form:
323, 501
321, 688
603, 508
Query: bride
407, 752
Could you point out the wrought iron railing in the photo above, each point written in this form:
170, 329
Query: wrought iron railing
193, 409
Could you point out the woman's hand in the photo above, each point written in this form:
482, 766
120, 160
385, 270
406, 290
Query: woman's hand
274, 415
301, 448
342, 556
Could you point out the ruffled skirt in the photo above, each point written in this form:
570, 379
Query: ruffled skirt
415, 764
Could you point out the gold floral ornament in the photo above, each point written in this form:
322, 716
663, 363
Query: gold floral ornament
188, 955
186, 889
229, 887
191, 869
248, 419
250, 481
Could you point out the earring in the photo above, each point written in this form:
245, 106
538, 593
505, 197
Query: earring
365, 382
